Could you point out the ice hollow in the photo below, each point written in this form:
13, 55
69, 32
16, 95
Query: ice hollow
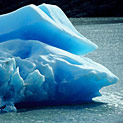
32, 71
45, 23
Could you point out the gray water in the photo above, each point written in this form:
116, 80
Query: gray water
107, 33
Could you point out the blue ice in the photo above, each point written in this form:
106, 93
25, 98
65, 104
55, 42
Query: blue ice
46, 23
39, 60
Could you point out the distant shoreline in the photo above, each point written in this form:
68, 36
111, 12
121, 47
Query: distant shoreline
72, 8
96, 20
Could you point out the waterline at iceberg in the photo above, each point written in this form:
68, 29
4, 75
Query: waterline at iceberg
39, 61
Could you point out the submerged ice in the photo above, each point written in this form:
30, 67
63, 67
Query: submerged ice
38, 61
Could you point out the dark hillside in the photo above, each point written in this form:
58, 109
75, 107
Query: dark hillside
73, 8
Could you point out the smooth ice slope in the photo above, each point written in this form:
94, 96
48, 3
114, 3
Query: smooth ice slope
46, 23
32, 71
58, 16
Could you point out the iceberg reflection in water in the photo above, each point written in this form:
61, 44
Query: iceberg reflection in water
40, 60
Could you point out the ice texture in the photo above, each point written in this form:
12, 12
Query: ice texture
38, 61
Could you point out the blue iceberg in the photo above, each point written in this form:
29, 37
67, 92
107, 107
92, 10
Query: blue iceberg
39, 61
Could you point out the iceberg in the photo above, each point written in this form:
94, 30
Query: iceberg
39, 61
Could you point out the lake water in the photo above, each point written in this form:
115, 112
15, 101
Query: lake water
107, 33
